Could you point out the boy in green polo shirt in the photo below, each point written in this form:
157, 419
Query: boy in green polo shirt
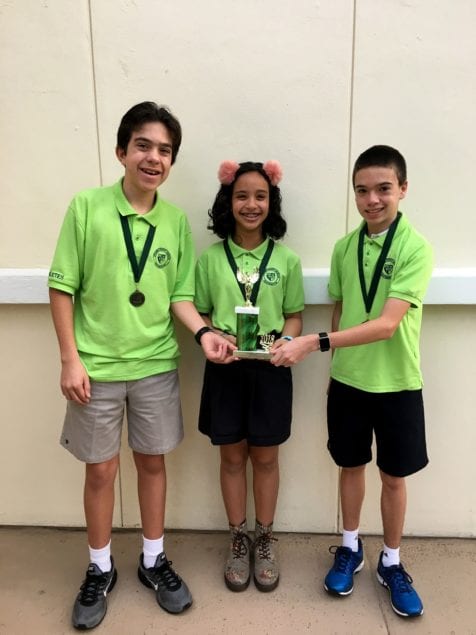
126, 258
379, 275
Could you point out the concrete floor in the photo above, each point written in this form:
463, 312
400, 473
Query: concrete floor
41, 570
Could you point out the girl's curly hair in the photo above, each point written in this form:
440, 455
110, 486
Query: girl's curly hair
222, 222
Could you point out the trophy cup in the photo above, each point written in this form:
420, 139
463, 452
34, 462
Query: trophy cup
247, 323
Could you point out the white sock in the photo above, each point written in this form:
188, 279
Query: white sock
390, 556
350, 539
151, 549
101, 557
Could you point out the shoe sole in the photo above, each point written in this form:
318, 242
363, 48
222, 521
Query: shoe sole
385, 585
146, 582
344, 593
83, 627
265, 588
237, 588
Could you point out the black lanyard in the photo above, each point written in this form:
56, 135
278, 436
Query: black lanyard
370, 296
262, 269
137, 267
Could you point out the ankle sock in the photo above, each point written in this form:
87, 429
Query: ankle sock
390, 556
151, 549
350, 539
101, 557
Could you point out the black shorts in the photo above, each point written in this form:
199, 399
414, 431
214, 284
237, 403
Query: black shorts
397, 418
247, 399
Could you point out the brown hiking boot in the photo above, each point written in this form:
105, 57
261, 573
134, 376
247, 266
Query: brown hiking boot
266, 558
237, 567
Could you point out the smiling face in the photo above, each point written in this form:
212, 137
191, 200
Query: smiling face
147, 160
377, 196
250, 204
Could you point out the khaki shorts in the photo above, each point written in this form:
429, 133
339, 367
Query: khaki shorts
92, 433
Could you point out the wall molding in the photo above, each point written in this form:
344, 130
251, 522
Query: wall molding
447, 286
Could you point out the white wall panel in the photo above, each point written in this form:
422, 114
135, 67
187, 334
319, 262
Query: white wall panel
248, 80
40, 483
414, 88
47, 123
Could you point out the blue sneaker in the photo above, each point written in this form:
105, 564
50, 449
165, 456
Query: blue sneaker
404, 599
340, 579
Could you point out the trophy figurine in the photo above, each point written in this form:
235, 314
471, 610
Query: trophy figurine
248, 280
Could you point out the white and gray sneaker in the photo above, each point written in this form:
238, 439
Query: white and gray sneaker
171, 591
90, 606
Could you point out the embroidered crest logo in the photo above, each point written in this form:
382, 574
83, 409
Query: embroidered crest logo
272, 276
161, 257
387, 269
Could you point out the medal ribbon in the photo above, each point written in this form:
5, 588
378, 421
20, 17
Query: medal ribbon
262, 269
137, 267
370, 296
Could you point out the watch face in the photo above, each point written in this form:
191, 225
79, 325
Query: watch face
324, 342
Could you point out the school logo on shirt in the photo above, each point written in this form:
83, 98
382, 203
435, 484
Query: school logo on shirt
387, 269
161, 257
272, 276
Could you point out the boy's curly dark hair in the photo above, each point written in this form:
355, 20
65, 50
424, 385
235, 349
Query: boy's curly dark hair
222, 222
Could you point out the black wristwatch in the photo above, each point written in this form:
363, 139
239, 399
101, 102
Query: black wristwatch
200, 332
324, 342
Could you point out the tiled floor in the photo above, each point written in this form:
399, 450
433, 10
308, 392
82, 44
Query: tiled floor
41, 569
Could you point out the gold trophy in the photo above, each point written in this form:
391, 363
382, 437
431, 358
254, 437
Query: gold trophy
247, 326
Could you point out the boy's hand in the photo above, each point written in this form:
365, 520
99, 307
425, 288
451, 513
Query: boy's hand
75, 384
286, 353
217, 348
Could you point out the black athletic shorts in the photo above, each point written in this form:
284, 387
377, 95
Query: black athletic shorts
247, 399
396, 418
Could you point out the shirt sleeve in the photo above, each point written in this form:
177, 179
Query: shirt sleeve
185, 280
203, 300
67, 266
334, 286
411, 278
294, 295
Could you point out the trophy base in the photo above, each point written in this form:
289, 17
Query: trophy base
264, 355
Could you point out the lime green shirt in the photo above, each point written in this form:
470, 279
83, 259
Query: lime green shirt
281, 291
394, 364
117, 341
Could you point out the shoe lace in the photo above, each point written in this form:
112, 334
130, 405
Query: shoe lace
240, 545
263, 545
399, 579
167, 577
91, 588
343, 559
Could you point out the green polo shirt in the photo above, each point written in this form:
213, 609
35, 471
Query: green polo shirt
394, 364
117, 341
217, 292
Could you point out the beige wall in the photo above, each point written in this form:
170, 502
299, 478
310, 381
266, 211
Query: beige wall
311, 84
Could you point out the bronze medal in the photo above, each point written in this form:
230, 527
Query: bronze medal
137, 298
